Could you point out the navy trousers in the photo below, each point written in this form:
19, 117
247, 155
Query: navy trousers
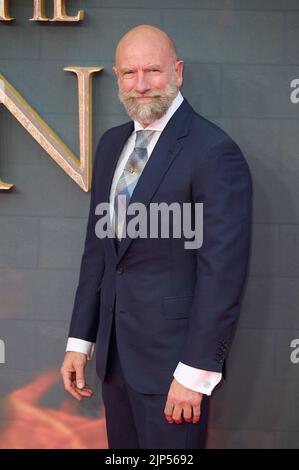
137, 421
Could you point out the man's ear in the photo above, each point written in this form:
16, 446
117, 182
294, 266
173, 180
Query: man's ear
114, 70
179, 66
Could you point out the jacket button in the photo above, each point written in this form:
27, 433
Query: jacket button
119, 268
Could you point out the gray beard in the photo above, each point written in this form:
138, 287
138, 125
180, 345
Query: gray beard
148, 112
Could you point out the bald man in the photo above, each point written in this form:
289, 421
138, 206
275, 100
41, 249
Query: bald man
161, 313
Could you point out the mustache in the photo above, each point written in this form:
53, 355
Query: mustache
146, 94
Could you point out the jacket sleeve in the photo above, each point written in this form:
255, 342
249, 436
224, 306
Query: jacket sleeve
222, 182
85, 316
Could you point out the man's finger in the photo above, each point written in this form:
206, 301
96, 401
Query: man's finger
187, 413
84, 392
177, 414
196, 414
67, 381
168, 411
80, 380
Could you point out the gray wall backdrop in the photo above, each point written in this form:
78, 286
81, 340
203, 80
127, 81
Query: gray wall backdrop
240, 58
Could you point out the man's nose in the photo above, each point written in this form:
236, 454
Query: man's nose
142, 84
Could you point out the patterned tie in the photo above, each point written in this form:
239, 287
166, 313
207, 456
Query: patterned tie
128, 179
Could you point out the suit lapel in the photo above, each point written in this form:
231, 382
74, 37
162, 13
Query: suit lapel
164, 153
113, 152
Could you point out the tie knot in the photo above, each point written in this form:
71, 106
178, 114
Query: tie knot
143, 138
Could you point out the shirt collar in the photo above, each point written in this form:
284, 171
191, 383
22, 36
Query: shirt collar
160, 124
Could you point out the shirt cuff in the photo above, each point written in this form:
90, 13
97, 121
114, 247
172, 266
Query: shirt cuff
199, 380
82, 346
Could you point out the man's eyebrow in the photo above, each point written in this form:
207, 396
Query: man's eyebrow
126, 69
153, 66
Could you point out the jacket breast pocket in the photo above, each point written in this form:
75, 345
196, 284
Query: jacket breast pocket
177, 307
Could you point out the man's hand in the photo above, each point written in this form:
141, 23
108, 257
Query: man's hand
182, 404
72, 371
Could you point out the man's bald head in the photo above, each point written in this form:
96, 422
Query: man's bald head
146, 34
149, 74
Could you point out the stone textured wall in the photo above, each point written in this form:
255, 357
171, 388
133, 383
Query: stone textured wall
240, 57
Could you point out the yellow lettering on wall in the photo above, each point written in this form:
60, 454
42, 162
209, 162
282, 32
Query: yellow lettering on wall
78, 169
39, 11
60, 13
4, 14
5, 186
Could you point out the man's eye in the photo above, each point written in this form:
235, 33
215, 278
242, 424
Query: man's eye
128, 73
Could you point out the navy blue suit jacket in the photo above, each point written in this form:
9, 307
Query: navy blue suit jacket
171, 304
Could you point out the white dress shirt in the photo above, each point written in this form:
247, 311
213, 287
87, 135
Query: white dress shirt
195, 379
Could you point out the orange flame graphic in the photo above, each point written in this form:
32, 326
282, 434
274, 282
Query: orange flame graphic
30, 426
